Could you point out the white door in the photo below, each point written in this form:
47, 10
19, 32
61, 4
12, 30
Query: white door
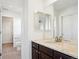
7, 29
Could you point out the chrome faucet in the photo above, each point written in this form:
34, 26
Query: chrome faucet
59, 39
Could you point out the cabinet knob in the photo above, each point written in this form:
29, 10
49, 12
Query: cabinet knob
60, 57
33, 45
36, 51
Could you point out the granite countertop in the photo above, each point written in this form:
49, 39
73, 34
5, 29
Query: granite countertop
66, 47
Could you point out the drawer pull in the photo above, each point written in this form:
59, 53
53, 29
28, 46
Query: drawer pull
33, 45
60, 57
37, 52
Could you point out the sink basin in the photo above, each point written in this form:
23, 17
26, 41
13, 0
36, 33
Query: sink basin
65, 44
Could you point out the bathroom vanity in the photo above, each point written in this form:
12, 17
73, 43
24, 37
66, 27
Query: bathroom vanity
47, 50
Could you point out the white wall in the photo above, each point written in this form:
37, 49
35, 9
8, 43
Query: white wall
25, 45
17, 32
28, 31
17, 26
34, 5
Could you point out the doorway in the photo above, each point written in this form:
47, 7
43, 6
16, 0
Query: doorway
8, 50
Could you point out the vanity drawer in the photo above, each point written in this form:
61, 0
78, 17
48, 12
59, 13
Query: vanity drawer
34, 45
46, 50
68, 57
58, 55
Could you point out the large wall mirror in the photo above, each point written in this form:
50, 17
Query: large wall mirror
61, 20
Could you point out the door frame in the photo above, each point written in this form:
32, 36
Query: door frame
1, 32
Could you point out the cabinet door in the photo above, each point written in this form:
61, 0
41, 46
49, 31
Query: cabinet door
34, 53
44, 56
57, 55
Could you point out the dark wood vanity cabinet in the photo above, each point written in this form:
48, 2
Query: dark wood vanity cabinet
42, 52
38, 52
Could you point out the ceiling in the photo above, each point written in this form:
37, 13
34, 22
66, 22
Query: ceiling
62, 4
17, 5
